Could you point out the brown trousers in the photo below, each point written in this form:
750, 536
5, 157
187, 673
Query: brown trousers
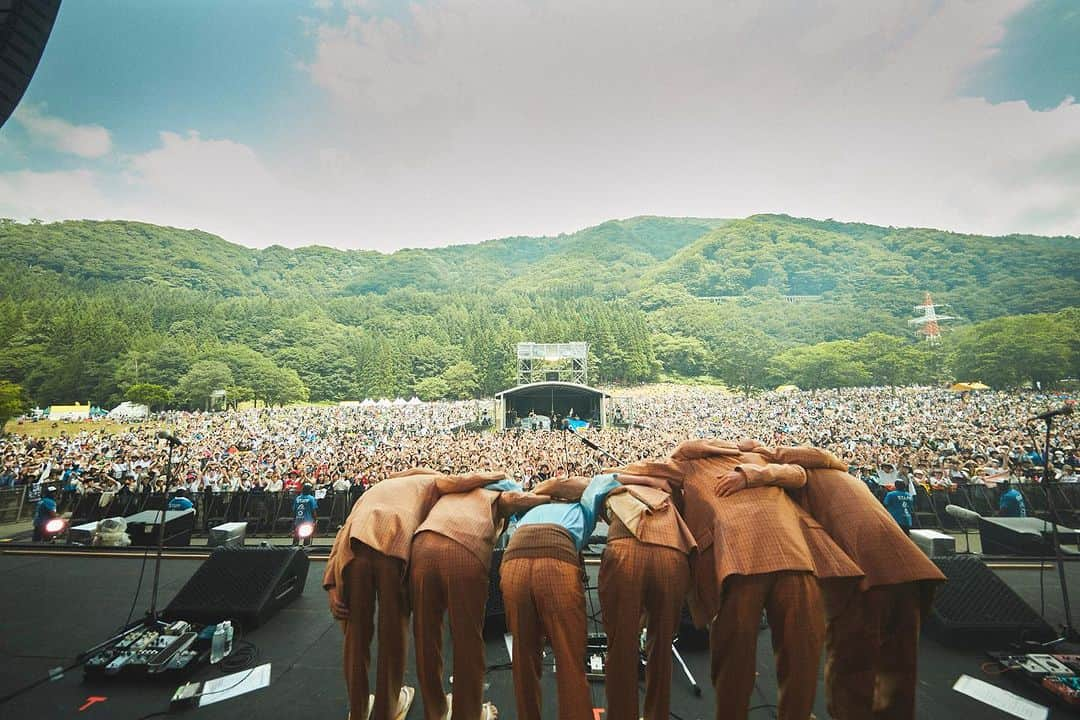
373, 578
544, 597
640, 582
871, 652
445, 578
792, 601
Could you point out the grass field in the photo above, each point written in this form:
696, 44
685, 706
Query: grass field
50, 429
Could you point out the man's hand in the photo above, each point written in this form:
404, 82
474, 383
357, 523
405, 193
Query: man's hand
748, 445
562, 488
338, 608
731, 482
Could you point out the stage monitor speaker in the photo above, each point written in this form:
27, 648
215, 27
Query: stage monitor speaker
142, 527
495, 611
551, 376
1028, 536
976, 609
247, 585
25, 26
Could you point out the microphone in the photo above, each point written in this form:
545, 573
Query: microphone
963, 514
1067, 409
172, 439
589, 443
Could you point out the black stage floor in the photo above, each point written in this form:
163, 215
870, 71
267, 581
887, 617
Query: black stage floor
53, 607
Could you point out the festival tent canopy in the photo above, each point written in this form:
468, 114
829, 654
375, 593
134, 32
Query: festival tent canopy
968, 386
415, 400
383, 402
367, 402
129, 411
399, 402
68, 412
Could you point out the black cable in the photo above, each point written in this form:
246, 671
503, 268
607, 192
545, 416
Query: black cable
243, 655
1042, 587
160, 713
138, 586
40, 681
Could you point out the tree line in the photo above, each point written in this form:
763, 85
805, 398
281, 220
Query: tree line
107, 311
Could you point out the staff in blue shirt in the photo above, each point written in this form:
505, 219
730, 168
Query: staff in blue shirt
46, 511
305, 511
1011, 503
541, 580
900, 505
180, 501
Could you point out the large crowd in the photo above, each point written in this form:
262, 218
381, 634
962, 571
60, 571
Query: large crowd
925, 434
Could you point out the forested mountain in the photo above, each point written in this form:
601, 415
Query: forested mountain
102, 310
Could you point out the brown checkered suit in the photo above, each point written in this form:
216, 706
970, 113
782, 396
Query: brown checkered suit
757, 550
367, 568
544, 597
448, 574
643, 581
872, 636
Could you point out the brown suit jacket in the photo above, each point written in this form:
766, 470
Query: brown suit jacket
754, 531
661, 524
759, 529
858, 522
388, 513
475, 519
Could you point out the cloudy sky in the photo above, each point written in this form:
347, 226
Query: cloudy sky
381, 124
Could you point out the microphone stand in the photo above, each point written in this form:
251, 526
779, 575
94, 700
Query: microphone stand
590, 444
152, 613
1069, 631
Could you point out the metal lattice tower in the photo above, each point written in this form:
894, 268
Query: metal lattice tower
564, 362
928, 323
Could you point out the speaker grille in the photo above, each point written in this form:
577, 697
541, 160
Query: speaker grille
976, 608
25, 26
249, 585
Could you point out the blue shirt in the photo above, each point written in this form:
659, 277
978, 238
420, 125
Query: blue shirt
304, 508
1012, 504
504, 485
578, 518
46, 508
900, 505
180, 503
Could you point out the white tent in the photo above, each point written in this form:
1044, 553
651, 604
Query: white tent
367, 402
399, 402
383, 402
415, 401
68, 412
129, 411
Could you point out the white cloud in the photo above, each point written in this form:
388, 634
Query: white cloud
86, 141
457, 121
51, 195
541, 116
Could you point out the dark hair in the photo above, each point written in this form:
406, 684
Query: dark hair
900, 484
307, 489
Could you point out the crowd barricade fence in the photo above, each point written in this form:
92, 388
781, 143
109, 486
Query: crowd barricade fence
271, 513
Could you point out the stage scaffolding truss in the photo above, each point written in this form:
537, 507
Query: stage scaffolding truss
553, 362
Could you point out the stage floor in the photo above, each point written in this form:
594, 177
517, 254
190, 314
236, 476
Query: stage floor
53, 607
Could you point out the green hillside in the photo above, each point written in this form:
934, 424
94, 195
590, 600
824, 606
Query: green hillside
90, 309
